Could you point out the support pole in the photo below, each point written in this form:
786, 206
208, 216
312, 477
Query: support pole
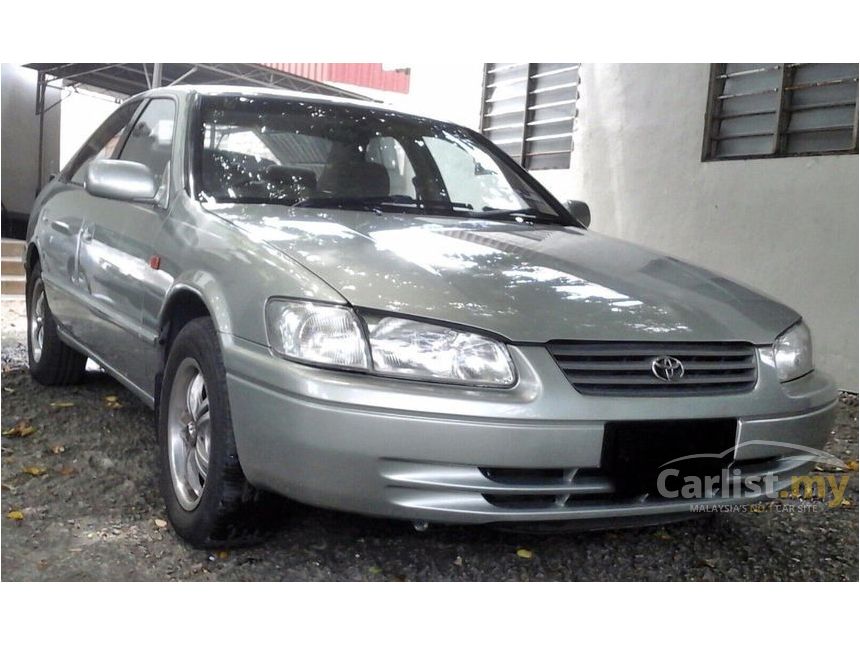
41, 90
156, 74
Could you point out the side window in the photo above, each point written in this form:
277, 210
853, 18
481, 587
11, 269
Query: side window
151, 138
102, 143
387, 152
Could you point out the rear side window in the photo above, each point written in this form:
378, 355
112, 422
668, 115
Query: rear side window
102, 144
151, 138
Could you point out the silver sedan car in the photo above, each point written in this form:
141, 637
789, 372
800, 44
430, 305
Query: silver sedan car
365, 310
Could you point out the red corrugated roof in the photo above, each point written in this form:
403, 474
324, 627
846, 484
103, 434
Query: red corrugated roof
371, 75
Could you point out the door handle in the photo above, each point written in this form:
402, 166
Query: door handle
87, 234
62, 227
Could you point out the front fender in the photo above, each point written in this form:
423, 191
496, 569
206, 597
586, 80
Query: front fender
233, 273
205, 287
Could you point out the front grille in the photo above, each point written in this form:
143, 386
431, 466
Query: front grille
625, 369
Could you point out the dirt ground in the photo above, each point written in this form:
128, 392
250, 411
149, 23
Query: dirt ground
79, 502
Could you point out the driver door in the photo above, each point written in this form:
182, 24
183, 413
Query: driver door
63, 218
116, 247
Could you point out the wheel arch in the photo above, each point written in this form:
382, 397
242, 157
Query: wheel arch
31, 256
183, 303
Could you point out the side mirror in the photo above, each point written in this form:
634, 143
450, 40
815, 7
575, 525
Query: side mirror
116, 179
580, 212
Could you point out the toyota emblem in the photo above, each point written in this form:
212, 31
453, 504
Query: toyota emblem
667, 368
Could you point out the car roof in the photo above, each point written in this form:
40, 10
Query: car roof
267, 92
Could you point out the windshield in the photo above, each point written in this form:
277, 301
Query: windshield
306, 154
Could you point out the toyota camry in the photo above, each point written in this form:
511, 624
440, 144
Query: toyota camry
365, 310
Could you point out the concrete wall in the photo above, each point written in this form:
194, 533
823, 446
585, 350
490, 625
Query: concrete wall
20, 137
787, 227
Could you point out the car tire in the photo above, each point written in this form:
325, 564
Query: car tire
52, 362
209, 501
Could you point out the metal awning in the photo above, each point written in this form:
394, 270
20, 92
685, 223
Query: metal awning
121, 80
124, 79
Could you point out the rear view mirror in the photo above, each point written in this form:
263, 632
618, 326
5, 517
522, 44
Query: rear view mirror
580, 212
116, 179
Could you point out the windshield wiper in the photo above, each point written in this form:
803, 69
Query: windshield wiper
425, 203
531, 215
226, 199
432, 207
356, 203
372, 203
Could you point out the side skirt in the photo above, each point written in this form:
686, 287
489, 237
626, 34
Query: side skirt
139, 392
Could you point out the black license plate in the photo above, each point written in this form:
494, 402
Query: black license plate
634, 452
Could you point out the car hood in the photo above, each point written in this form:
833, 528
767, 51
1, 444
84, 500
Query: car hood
525, 283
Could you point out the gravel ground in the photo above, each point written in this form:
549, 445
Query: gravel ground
91, 511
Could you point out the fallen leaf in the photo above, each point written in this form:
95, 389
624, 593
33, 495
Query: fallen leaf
708, 562
160, 523
845, 502
66, 471
58, 449
112, 402
374, 570
20, 429
851, 465
525, 554
62, 404
35, 471
223, 555
16, 516
663, 535
9, 390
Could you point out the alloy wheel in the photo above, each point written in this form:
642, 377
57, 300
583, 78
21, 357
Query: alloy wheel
189, 433
38, 305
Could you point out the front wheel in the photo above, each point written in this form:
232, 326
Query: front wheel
209, 501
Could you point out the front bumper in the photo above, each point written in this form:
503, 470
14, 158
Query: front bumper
428, 452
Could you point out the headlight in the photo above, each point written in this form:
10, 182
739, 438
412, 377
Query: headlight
317, 333
408, 348
792, 353
333, 335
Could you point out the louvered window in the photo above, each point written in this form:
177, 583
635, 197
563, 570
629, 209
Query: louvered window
528, 110
781, 109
